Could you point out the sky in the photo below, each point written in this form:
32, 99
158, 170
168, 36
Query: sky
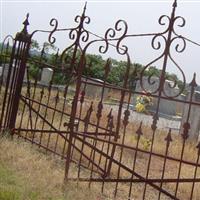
141, 17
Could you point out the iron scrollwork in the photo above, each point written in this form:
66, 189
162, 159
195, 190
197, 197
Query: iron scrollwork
166, 40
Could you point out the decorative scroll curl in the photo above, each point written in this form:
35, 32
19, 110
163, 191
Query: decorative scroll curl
150, 79
162, 22
121, 49
179, 48
173, 84
156, 43
54, 24
82, 19
178, 22
172, 41
110, 35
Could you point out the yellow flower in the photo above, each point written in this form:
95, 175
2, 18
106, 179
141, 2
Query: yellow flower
140, 107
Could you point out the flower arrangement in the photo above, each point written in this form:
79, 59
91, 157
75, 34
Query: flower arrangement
142, 103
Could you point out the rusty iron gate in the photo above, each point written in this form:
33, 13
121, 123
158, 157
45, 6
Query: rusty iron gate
99, 140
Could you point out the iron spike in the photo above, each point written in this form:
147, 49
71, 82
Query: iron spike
175, 4
193, 82
26, 23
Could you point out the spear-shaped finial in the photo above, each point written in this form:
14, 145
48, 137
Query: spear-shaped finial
56, 56
26, 23
175, 4
84, 9
173, 10
168, 139
107, 67
42, 52
139, 130
198, 147
110, 114
193, 82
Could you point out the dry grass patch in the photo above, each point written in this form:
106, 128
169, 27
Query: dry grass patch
27, 174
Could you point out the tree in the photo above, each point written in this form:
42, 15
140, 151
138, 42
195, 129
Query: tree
47, 47
35, 45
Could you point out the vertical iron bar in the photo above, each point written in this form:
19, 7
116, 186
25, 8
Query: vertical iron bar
161, 87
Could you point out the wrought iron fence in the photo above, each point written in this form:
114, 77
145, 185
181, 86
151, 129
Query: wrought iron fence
107, 146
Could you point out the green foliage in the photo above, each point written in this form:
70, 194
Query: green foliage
116, 75
153, 71
60, 78
5, 52
35, 45
95, 67
34, 71
47, 46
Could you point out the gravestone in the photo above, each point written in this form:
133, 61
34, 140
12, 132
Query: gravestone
194, 118
94, 91
4, 73
46, 76
166, 107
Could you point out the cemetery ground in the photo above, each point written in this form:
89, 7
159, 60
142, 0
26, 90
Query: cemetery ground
42, 177
29, 174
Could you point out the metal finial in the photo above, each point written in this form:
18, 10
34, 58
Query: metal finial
139, 131
175, 4
57, 52
84, 9
56, 56
85, 6
193, 82
43, 51
168, 139
26, 23
194, 76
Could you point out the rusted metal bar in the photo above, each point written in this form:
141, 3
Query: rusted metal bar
125, 124
186, 127
139, 133
125, 167
33, 109
24, 39
128, 180
78, 87
64, 113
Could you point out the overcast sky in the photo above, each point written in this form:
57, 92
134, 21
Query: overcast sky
141, 16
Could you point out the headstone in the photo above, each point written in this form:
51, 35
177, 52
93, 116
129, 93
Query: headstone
46, 77
166, 107
4, 72
194, 117
94, 91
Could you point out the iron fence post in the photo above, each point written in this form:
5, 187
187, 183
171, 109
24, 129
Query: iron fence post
17, 69
78, 86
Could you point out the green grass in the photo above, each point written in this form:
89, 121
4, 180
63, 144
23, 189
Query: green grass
28, 174
13, 187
